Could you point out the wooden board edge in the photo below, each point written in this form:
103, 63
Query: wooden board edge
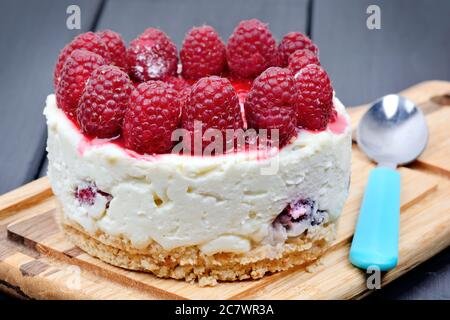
26, 287
106, 274
25, 196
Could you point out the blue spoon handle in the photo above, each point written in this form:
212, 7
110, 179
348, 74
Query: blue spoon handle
375, 242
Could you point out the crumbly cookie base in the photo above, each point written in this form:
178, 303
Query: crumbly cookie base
190, 264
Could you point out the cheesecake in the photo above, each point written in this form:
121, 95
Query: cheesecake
136, 195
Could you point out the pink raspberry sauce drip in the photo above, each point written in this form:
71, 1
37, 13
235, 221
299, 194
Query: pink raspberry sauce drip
339, 125
242, 87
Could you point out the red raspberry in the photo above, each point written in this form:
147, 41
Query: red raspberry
178, 83
88, 41
292, 42
181, 86
154, 34
300, 59
251, 49
214, 102
315, 101
203, 53
334, 115
184, 94
74, 75
152, 56
87, 192
116, 48
104, 101
153, 114
270, 104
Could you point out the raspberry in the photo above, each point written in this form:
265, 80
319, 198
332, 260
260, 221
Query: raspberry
315, 101
292, 42
104, 101
203, 53
214, 102
334, 115
87, 192
183, 95
300, 59
152, 56
116, 48
88, 41
179, 85
302, 211
154, 34
270, 104
153, 114
251, 49
74, 75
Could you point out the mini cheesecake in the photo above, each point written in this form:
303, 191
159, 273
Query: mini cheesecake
228, 217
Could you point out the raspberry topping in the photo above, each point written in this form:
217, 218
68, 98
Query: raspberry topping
116, 48
213, 102
88, 41
178, 83
203, 53
315, 105
251, 49
104, 101
74, 75
270, 104
300, 59
152, 56
292, 42
152, 116
146, 105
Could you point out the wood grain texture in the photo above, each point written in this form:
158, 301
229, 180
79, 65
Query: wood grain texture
33, 33
425, 230
33, 268
15, 200
175, 17
437, 156
411, 46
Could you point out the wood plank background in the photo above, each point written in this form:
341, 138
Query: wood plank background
32, 34
413, 45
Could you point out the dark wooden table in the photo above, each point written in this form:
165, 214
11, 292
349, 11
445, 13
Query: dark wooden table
412, 45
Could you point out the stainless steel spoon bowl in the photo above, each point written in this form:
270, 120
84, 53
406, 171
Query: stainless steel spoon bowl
392, 132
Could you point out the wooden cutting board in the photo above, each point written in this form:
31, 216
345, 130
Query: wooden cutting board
37, 262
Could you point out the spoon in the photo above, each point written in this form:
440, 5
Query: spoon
392, 132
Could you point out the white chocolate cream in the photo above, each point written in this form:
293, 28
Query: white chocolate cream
221, 204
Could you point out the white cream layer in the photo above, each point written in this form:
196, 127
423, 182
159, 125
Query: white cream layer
222, 204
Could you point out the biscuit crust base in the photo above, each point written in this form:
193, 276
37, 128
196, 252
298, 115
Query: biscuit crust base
190, 264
